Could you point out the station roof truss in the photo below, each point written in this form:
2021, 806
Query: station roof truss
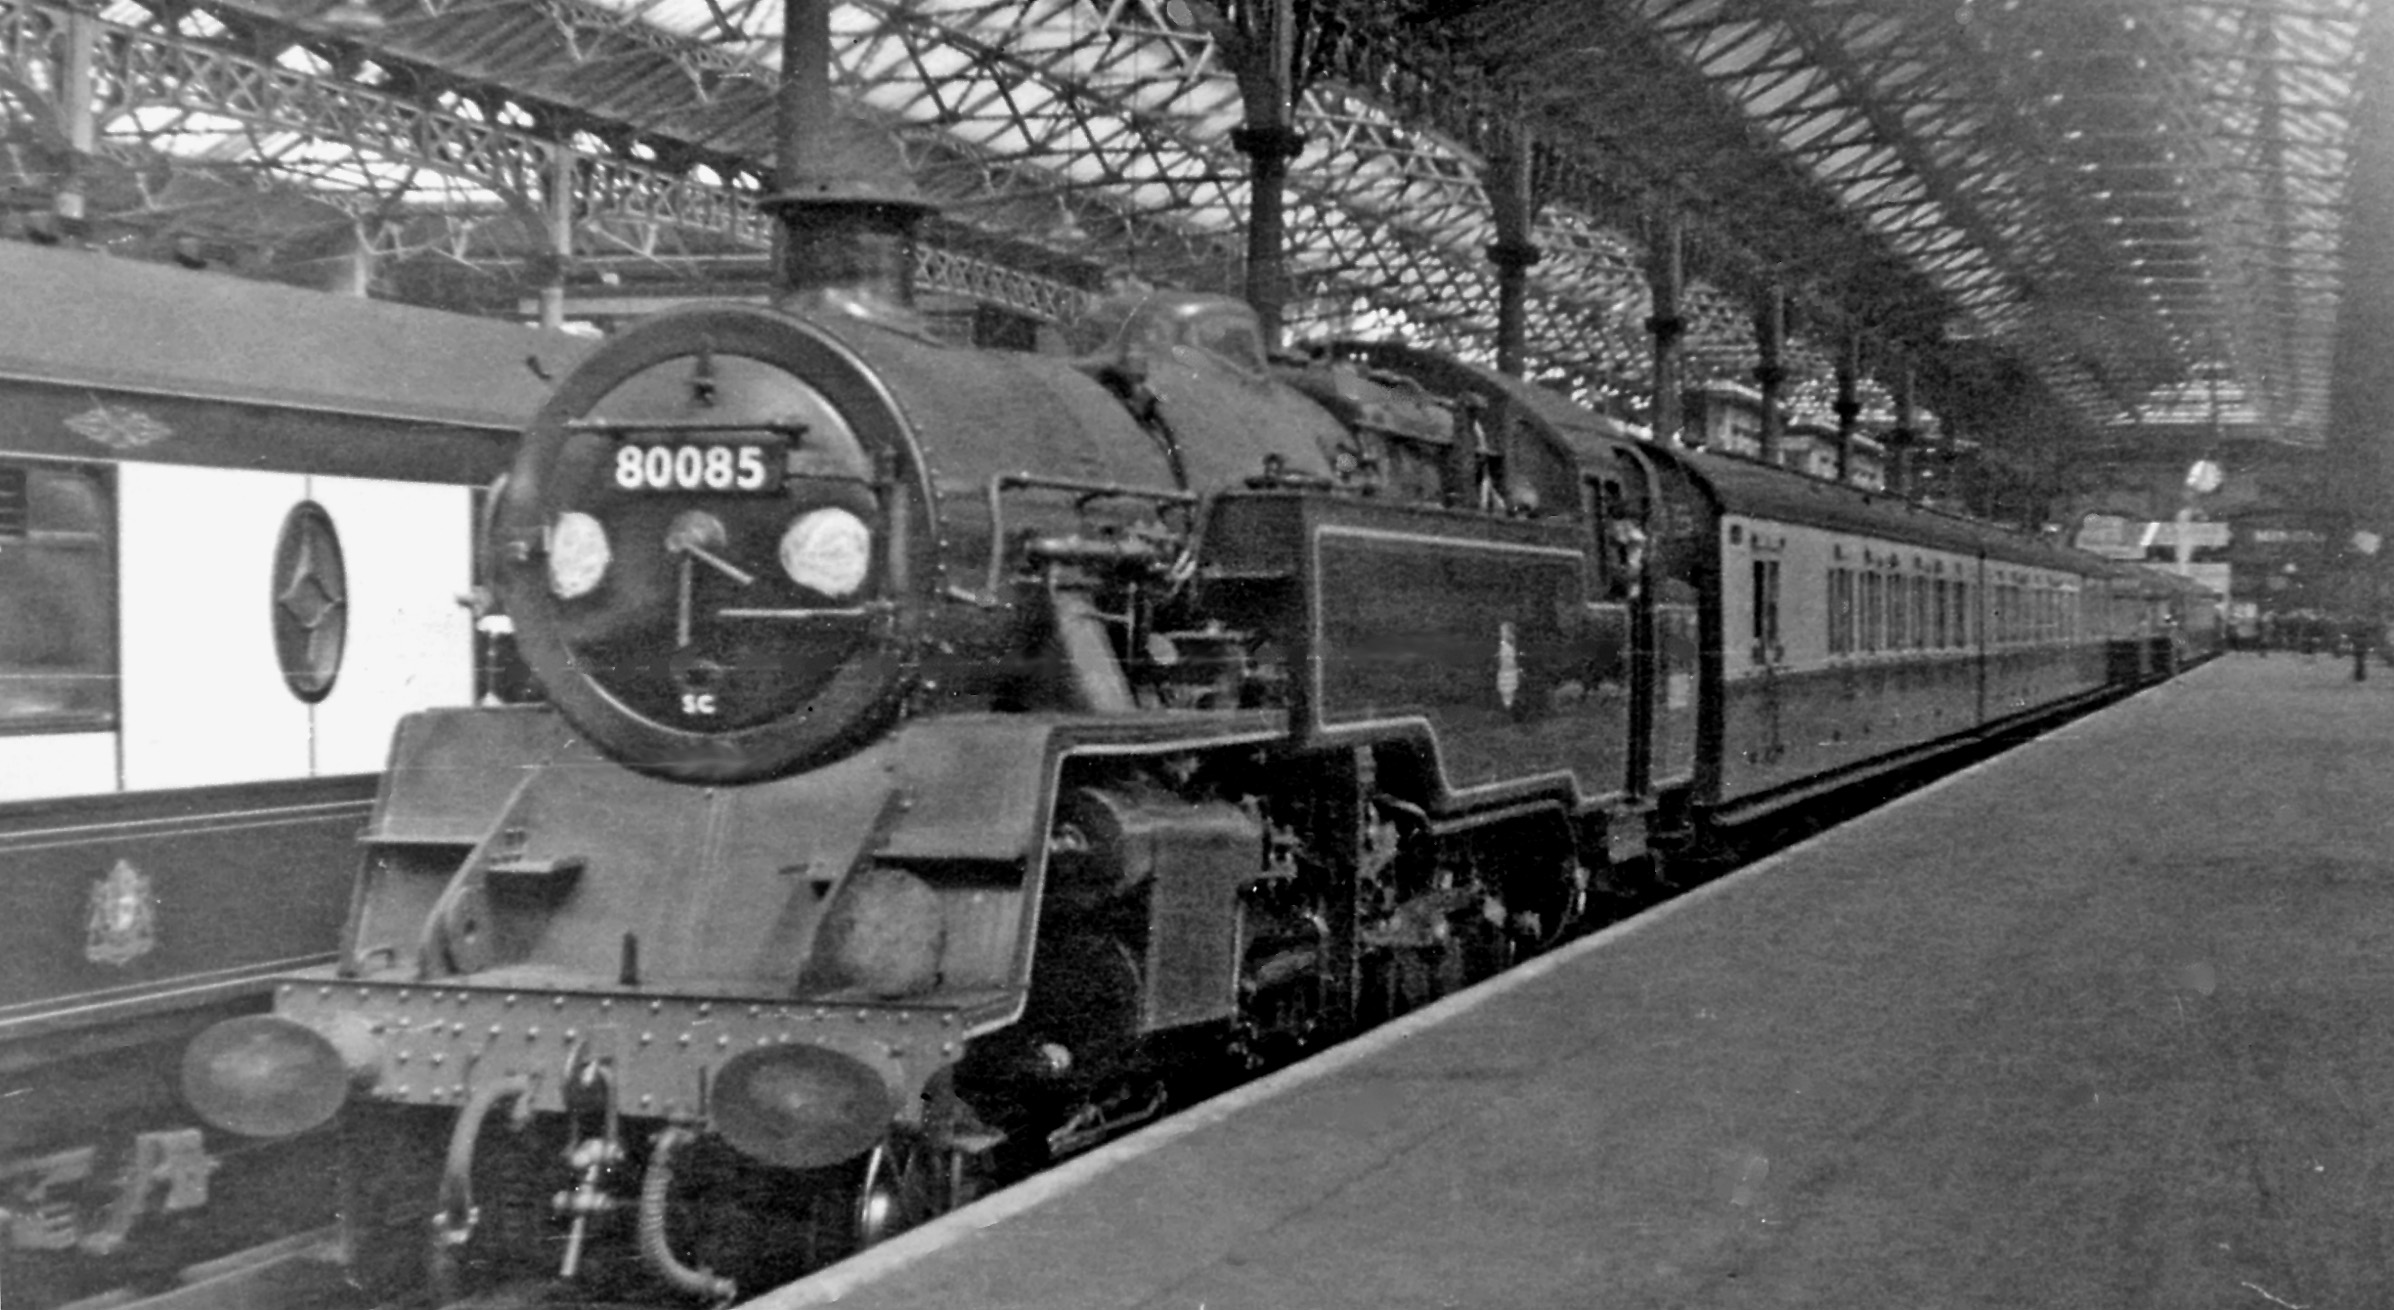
2095, 214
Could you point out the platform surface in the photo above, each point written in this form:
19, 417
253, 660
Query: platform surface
2105, 1022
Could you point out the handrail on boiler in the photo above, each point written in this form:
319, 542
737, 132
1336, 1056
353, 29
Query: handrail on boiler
1089, 492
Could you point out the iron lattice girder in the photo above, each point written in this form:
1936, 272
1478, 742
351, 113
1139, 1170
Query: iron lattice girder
615, 202
1119, 94
2171, 125
1817, 103
1138, 112
624, 205
1404, 229
1875, 153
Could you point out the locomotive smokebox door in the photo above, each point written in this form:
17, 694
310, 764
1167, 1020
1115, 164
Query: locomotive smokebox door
716, 546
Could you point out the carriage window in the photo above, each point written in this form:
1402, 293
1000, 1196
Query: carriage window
1841, 611
57, 599
1874, 592
1766, 608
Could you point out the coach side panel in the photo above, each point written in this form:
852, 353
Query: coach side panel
1838, 648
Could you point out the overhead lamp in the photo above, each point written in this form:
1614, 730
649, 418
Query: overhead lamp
352, 18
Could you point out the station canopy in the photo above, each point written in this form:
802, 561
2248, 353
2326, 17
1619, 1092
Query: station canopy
2059, 217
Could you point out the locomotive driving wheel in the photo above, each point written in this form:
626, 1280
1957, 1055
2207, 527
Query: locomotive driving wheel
903, 1186
1545, 902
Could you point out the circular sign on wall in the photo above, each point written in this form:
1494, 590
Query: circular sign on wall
311, 602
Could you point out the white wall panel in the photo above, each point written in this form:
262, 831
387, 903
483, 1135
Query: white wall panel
204, 700
409, 553
42, 765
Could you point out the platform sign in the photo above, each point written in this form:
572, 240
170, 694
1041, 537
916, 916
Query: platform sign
2192, 535
2114, 536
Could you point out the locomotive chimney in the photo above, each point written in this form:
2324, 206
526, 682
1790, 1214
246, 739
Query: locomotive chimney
847, 219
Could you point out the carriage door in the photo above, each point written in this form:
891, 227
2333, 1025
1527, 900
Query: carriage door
1621, 629
1766, 652
1682, 549
1650, 526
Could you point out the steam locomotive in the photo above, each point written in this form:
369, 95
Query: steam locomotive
951, 757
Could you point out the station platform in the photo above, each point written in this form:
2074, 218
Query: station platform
2107, 1021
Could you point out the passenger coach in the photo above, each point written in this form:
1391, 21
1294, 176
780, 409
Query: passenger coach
1856, 629
236, 547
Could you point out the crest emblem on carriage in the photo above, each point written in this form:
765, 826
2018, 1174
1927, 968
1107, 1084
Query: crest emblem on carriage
124, 917
1508, 665
311, 602
119, 427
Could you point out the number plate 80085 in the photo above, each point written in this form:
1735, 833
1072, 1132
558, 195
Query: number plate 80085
707, 466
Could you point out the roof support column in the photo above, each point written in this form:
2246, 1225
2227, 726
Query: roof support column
355, 271
1770, 372
1849, 405
559, 257
75, 118
1664, 278
1262, 52
1904, 440
353, 274
1514, 205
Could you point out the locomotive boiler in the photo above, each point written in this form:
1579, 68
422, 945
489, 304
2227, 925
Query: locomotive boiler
950, 759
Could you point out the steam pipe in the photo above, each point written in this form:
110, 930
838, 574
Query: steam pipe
655, 1190
454, 1219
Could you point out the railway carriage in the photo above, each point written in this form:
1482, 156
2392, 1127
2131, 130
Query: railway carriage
1858, 629
2179, 619
236, 526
